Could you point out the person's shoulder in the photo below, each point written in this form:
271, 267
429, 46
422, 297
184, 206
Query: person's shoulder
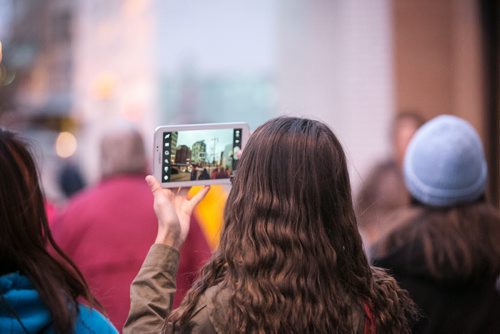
92, 321
70, 217
217, 300
81, 200
209, 315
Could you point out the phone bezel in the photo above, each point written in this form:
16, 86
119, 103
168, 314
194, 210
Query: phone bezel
158, 150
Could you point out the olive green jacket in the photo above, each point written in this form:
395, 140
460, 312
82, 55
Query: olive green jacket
152, 293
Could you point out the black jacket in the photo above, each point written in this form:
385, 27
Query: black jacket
449, 304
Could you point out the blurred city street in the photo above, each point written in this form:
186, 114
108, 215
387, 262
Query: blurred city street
71, 69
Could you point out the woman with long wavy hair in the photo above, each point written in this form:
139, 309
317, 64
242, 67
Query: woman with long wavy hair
290, 258
40, 287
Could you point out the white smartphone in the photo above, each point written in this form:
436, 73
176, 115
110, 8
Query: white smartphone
197, 154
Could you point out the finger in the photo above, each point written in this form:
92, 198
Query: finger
159, 194
154, 185
200, 195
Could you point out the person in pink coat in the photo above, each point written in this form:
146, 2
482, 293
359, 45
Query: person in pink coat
107, 229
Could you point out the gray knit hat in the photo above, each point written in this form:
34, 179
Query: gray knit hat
444, 164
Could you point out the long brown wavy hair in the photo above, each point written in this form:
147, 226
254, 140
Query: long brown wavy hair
290, 252
26, 244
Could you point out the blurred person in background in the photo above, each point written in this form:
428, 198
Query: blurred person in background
290, 258
204, 175
107, 229
383, 192
40, 287
446, 253
70, 179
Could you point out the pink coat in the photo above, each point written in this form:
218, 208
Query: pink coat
107, 231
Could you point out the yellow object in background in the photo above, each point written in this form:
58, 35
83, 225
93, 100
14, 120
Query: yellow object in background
210, 213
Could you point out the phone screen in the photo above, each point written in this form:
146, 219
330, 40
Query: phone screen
196, 155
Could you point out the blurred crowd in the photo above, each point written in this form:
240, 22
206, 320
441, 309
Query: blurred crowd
422, 215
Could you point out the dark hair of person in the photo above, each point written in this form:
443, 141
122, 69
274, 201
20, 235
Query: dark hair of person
408, 115
457, 241
25, 237
290, 251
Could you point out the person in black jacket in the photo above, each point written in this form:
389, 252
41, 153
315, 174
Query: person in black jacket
447, 251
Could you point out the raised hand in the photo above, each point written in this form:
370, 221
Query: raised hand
173, 210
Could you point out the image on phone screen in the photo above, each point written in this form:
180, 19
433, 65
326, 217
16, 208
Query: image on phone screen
203, 154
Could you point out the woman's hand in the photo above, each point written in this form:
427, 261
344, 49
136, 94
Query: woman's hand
173, 210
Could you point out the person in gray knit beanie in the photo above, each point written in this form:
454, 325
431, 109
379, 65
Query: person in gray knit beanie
445, 163
446, 250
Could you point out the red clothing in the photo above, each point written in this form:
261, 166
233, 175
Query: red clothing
50, 211
107, 231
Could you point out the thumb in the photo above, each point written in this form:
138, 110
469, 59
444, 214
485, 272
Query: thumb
153, 184
159, 195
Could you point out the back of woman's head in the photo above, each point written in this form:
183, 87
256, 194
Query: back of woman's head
292, 170
290, 244
290, 235
291, 194
25, 235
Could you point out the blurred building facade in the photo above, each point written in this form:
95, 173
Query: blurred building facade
36, 91
81, 65
446, 61
165, 62
199, 152
41, 55
335, 64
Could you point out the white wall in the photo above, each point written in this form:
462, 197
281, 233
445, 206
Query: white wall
329, 60
334, 65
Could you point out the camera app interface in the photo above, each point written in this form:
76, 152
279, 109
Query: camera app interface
200, 154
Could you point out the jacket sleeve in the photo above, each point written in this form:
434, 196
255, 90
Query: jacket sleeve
193, 255
152, 291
